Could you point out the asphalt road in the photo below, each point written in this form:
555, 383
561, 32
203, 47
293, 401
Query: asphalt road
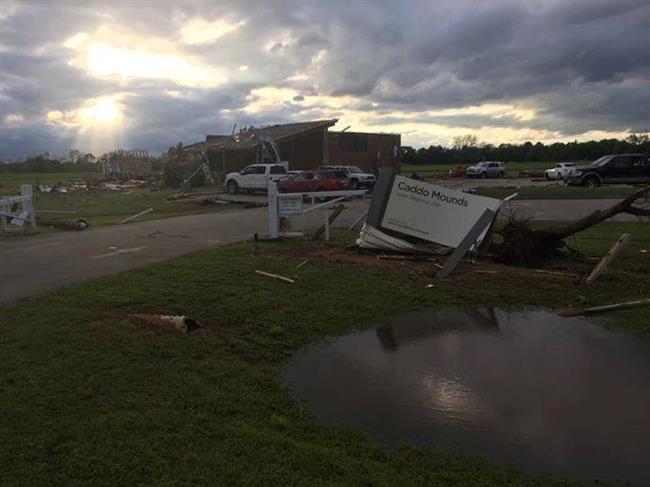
30, 265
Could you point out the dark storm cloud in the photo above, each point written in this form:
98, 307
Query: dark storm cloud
580, 65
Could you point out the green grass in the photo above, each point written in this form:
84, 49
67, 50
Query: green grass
437, 170
558, 192
89, 397
10, 182
109, 207
99, 208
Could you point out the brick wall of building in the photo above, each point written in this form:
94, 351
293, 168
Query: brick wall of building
366, 150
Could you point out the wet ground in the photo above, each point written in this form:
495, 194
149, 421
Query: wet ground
559, 396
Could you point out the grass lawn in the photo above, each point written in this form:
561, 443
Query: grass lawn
110, 207
10, 182
90, 397
512, 168
99, 208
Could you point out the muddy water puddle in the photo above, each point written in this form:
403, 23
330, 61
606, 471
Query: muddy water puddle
561, 396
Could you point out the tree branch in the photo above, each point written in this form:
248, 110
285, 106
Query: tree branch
632, 210
623, 206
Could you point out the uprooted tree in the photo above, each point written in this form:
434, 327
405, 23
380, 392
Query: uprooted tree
524, 246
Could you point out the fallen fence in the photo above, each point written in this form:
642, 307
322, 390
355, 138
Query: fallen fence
24, 217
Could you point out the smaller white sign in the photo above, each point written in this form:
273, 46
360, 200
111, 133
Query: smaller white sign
433, 213
289, 205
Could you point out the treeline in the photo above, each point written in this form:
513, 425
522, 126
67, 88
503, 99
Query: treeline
76, 162
467, 150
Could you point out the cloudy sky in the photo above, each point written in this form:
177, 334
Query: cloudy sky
103, 75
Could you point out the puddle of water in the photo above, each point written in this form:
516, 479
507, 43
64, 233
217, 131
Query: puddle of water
551, 395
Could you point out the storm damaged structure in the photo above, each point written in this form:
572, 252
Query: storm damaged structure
303, 145
126, 164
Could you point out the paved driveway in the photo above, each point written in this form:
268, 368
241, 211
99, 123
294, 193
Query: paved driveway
31, 265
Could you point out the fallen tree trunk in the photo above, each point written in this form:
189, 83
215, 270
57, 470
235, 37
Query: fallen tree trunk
521, 245
623, 206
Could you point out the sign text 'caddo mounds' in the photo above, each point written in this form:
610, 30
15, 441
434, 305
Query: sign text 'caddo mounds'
433, 213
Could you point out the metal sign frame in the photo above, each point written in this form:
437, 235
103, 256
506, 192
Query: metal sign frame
274, 212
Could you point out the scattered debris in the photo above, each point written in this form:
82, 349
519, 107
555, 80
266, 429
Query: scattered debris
160, 233
44, 188
335, 213
18, 210
609, 257
133, 217
528, 247
457, 172
302, 264
119, 252
126, 163
373, 239
275, 276
79, 224
180, 323
358, 221
603, 309
209, 201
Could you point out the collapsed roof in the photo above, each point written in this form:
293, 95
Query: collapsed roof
249, 137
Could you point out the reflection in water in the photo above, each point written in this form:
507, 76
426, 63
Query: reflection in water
424, 323
547, 394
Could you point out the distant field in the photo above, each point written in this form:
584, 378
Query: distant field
109, 207
99, 208
512, 168
10, 182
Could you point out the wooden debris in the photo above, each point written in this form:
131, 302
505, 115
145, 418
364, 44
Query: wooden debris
79, 224
358, 221
302, 264
603, 309
275, 276
335, 213
609, 257
133, 217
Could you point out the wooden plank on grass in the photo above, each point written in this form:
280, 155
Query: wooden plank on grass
275, 276
607, 260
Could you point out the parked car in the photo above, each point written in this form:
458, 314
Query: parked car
486, 169
559, 171
311, 181
358, 178
254, 177
612, 169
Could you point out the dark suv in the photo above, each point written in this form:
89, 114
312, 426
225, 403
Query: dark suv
614, 169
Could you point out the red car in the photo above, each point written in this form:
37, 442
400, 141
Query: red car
311, 181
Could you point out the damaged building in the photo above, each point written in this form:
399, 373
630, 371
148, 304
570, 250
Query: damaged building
303, 145
126, 164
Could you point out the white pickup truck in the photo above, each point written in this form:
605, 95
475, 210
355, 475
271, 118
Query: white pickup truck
255, 177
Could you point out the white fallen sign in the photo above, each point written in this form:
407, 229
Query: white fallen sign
371, 238
433, 213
